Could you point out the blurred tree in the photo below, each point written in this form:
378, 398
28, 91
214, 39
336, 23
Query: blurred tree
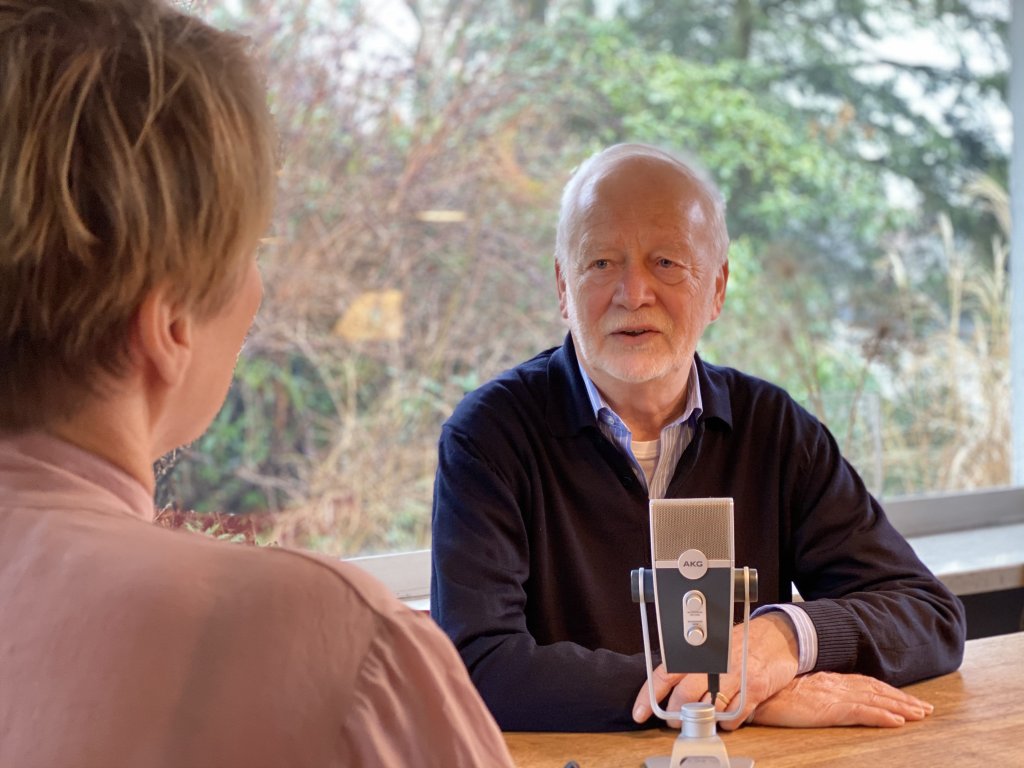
906, 86
425, 146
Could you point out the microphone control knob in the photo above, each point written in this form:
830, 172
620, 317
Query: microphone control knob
695, 616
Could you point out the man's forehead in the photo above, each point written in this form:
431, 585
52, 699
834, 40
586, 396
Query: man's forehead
609, 237
640, 181
605, 215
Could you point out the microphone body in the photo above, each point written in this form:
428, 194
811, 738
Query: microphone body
693, 559
693, 584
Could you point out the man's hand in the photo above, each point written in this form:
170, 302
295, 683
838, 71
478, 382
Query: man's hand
825, 699
771, 666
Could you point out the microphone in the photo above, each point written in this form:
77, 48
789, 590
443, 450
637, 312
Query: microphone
692, 555
693, 584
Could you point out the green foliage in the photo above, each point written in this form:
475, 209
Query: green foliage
837, 291
250, 458
843, 65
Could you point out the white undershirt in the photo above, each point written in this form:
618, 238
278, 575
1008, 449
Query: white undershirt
646, 453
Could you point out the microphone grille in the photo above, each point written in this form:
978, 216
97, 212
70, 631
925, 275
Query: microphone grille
681, 524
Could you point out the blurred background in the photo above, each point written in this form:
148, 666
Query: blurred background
861, 145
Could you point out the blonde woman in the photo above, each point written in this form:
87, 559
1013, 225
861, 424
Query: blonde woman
136, 176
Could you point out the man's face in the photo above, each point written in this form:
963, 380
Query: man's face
643, 282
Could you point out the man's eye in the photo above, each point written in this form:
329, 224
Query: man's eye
601, 264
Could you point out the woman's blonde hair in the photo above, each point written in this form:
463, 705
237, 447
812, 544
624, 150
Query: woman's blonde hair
136, 150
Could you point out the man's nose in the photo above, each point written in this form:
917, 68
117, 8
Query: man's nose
635, 289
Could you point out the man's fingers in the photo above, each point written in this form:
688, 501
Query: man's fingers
727, 703
867, 714
908, 708
827, 699
878, 695
900, 701
663, 683
690, 688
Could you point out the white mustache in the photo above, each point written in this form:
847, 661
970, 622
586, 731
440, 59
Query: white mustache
634, 323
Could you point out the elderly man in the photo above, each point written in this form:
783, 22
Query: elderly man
545, 476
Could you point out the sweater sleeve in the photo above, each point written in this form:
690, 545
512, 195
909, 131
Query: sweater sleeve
481, 564
876, 607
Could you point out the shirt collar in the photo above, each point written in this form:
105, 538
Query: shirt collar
693, 408
41, 459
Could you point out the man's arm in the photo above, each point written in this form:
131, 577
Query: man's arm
876, 608
481, 564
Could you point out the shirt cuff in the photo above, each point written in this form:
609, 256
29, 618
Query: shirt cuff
806, 636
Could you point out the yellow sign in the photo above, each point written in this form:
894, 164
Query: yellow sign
373, 316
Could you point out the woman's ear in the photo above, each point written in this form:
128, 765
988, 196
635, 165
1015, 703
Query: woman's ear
164, 337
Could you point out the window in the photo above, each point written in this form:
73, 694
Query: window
863, 149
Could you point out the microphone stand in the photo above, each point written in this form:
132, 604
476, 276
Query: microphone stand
698, 744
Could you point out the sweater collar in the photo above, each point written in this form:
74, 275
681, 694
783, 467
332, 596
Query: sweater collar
714, 391
569, 409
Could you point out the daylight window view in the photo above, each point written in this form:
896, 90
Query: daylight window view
862, 149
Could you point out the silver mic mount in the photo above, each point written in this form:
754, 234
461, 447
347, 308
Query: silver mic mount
698, 744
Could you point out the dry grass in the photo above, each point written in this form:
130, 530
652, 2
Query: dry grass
339, 423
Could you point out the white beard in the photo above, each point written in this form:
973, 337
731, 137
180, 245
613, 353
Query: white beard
642, 365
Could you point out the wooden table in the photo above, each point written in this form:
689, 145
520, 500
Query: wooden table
978, 721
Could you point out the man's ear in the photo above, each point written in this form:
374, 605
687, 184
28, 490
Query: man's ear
721, 280
560, 283
164, 337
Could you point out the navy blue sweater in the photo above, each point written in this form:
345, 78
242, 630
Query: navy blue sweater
538, 520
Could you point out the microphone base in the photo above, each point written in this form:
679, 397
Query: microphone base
697, 762
698, 744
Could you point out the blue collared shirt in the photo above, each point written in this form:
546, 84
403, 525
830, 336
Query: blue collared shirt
674, 439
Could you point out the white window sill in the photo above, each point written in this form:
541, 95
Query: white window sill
973, 541
974, 561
